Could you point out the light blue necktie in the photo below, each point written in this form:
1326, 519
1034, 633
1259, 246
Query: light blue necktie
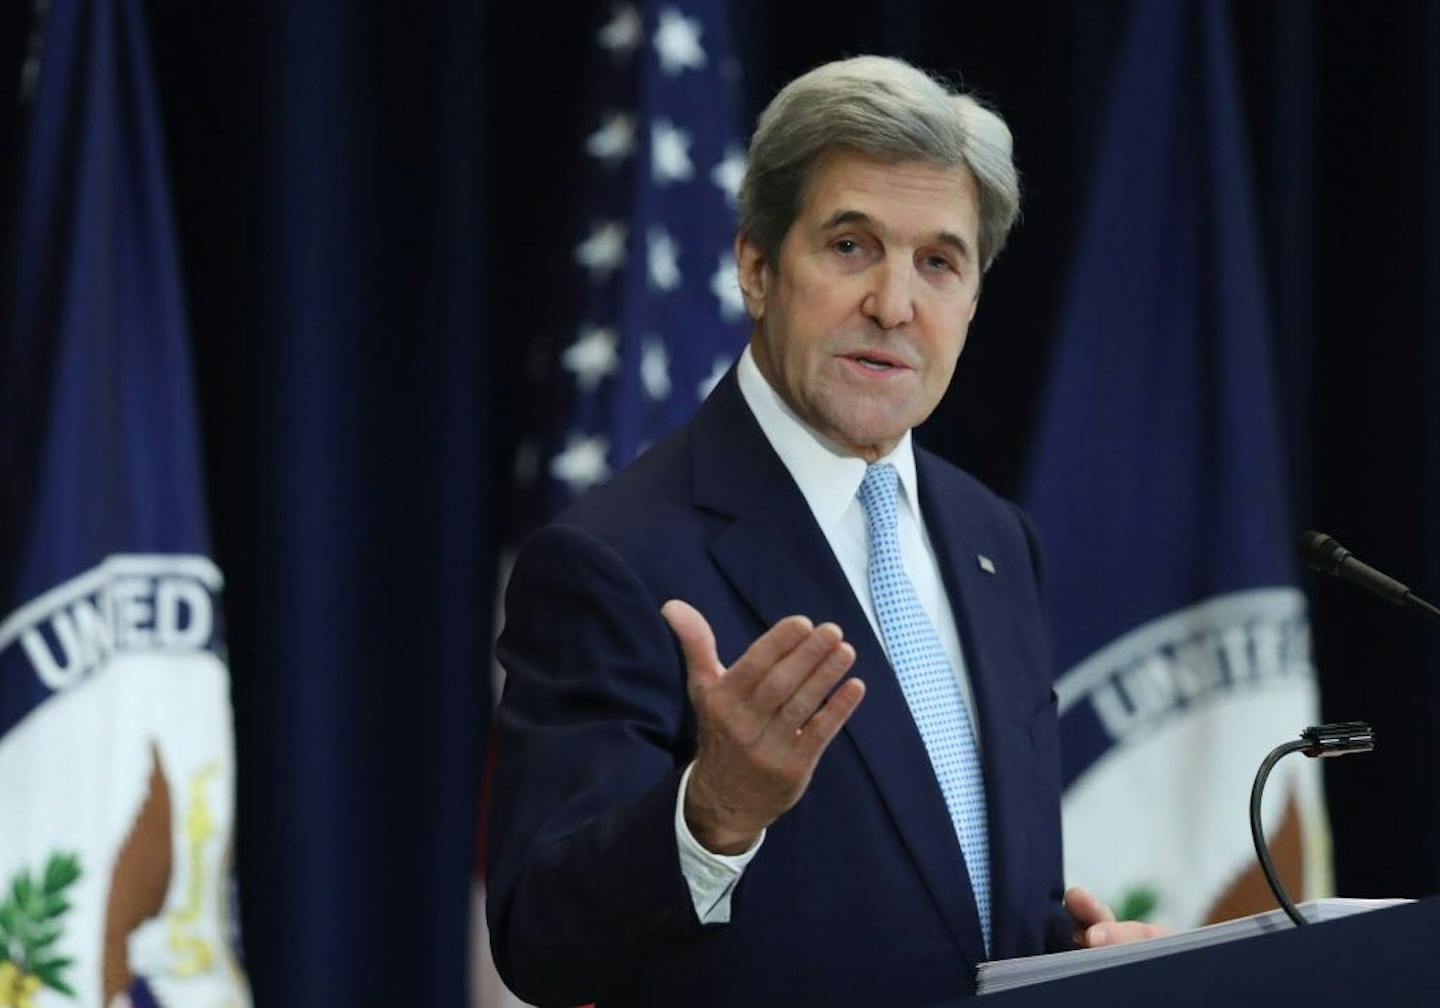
928, 683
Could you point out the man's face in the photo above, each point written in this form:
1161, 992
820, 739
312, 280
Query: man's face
860, 325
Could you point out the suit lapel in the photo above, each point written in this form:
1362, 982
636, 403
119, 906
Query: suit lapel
778, 559
987, 633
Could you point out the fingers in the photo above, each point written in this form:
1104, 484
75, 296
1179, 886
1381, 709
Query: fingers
777, 683
697, 640
1085, 909
828, 720
772, 647
780, 681
773, 665
1120, 933
1096, 926
809, 692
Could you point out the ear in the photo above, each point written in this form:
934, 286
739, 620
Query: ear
754, 275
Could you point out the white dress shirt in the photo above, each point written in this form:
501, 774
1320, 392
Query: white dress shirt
829, 480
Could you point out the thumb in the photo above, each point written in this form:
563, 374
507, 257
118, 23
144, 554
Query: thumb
1085, 909
697, 640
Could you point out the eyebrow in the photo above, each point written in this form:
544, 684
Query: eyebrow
860, 217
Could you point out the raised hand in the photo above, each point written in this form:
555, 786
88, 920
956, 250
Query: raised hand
762, 724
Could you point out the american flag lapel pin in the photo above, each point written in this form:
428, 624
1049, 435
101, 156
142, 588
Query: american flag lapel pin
986, 564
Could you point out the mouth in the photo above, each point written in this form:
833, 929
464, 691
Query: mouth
876, 362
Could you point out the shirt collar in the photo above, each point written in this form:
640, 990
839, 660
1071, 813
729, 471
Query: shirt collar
828, 478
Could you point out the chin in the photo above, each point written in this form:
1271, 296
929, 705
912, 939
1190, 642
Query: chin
856, 425
876, 427
868, 439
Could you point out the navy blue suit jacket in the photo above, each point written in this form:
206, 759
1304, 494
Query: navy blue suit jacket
859, 894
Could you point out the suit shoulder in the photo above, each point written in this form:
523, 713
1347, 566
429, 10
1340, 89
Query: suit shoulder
644, 512
659, 476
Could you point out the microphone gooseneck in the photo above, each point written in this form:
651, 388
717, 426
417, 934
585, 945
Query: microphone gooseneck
1338, 739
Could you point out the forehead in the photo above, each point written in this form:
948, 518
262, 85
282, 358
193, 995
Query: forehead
908, 196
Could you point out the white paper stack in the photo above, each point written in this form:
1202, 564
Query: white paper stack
1006, 974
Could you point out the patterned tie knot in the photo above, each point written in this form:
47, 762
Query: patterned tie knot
879, 491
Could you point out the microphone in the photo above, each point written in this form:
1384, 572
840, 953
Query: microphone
1321, 552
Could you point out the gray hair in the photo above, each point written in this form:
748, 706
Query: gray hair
887, 109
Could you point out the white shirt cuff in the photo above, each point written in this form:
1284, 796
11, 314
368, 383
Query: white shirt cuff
710, 876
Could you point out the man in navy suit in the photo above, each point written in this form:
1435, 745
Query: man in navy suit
778, 726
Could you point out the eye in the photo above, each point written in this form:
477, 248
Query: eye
846, 246
938, 263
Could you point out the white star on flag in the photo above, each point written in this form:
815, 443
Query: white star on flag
717, 371
592, 356
669, 153
604, 251
728, 173
582, 464
662, 261
725, 285
614, 140
655, 368
621, 33
677, 41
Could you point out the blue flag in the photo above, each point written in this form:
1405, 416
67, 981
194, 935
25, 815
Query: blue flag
659, 317
1157, 482
116, 750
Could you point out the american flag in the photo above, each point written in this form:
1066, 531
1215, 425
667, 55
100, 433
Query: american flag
659, 317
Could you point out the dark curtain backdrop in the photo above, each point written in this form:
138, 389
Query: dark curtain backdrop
373, 216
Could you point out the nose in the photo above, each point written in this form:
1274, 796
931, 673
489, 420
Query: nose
889, 302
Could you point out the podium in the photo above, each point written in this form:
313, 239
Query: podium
1385, 957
